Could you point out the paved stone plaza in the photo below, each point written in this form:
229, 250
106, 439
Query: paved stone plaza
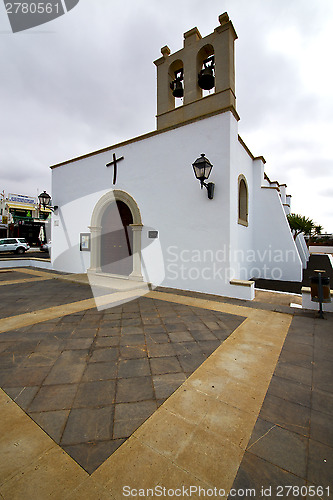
91, 378
172, 389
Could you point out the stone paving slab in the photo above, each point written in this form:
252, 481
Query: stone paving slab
9, 275
31, 295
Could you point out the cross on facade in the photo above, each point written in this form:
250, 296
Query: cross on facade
114, 163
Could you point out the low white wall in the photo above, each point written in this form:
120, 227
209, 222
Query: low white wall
320, 249
308, 304
243, 290
5, 264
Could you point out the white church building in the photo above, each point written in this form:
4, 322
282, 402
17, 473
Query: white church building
135, 211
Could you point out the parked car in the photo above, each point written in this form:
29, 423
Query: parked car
15, 245
45, 247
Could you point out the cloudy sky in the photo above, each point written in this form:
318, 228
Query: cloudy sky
86, 81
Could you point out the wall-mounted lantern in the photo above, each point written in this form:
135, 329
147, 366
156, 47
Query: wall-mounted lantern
45, 199
202, 168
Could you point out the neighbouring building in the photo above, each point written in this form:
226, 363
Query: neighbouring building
23, 217
135, 210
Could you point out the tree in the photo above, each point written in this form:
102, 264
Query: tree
300, 224
318, 230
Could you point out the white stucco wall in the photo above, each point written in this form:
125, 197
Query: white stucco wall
265, 248
276, 253
302, 250
157, 172
198, 238
241, 237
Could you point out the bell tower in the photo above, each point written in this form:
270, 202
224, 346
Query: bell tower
199, 79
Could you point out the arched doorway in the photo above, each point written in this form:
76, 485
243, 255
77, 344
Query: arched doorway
117, 239
116, 236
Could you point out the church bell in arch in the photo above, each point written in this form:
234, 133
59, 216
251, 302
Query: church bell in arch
206, 79
177, 84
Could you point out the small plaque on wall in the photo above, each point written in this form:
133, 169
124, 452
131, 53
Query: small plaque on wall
84, 242
152, 234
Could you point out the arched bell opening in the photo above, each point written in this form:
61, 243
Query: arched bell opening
176, 82
206, 70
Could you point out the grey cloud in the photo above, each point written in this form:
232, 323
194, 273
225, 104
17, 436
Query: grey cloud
328, 192
312, 167
90, 82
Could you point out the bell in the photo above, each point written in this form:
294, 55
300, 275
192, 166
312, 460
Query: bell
206, 79
178, 90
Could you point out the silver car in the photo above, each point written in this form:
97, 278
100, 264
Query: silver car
15, 245
45, 247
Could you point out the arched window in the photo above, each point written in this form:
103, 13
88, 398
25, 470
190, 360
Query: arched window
243, 201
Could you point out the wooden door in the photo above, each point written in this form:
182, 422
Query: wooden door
117, 240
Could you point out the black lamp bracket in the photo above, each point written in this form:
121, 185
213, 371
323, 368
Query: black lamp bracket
50, 207
210, 186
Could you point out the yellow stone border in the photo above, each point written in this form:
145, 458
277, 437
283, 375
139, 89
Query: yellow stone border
27, 280
34, 272
196, 438
40, 276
